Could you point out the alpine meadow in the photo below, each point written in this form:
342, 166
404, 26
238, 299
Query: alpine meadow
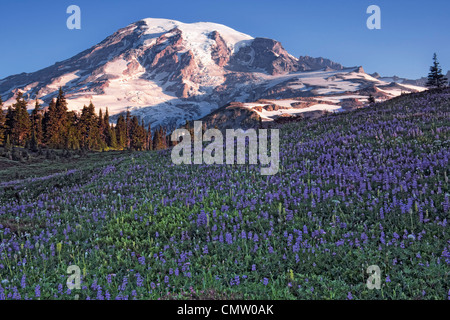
191, 161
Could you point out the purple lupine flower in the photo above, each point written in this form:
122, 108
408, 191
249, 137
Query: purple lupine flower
229, 238
23, 282
37, 291
99, 293
139, 280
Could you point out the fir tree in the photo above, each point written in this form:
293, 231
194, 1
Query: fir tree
371, 99
33, 142
113, 137
51, 123
159, 141
9, 120
56, 125
137, 135
128, 122
8, 145
21, 124
121, 132
107, 131
88, 127
73, 133
435, 78
36, 123
101, 130
149, 138
2, 123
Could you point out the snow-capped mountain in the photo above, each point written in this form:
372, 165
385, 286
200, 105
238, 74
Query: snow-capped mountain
416, 82
421, 82
167, 71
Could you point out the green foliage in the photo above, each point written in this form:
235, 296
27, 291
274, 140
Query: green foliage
20, 122
435, 78
2, 123
58, 128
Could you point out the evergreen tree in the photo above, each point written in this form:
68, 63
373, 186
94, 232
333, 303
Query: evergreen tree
8, 145
2, 123
36, 123
113, 137
435, 78
121, 132
33, 141
101, 128
159, 142
56, 122
156, 140
51, 124
144, 135
21, 124
9, 120
73, 133
128, 122
149, 138
107, 131
371, 99
88, 128
137, 135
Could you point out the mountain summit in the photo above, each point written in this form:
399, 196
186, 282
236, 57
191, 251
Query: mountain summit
167, 71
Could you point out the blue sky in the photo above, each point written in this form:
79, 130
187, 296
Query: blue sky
33, 34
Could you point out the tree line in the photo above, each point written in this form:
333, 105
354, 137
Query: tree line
59, 128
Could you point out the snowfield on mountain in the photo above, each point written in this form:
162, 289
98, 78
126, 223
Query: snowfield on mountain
167, 72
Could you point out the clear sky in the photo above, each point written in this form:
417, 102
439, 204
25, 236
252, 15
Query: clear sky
33, 34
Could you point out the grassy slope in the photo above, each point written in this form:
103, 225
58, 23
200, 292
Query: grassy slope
140, 226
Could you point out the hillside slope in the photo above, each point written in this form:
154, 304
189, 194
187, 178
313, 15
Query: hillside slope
355, 189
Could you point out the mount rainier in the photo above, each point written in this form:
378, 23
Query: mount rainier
166, 71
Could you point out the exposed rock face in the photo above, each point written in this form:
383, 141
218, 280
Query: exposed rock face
415, 82
220, 53
269, 107
265, 55
395, 85
84, 63
303, 104
360, 70
306, 63
374, 91
376, 75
